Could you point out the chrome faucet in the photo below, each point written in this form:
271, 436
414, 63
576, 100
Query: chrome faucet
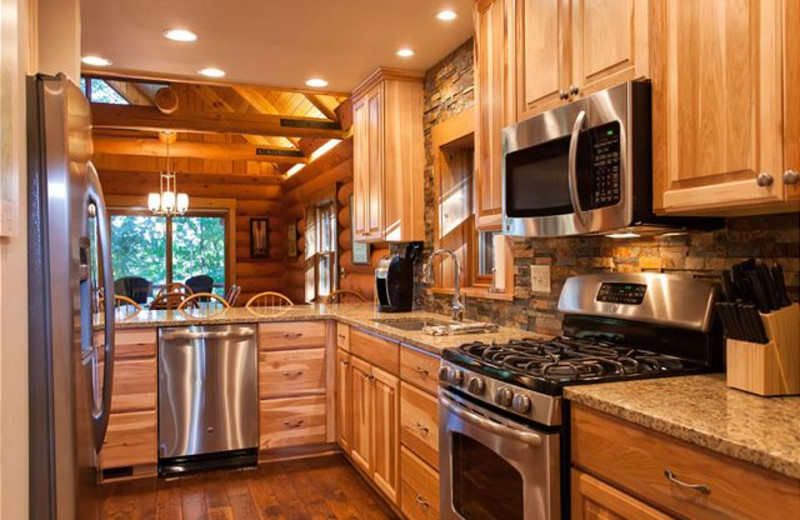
427, 279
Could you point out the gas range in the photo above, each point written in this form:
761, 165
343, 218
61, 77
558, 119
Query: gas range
617, 327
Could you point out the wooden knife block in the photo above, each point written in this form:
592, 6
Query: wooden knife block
773, 368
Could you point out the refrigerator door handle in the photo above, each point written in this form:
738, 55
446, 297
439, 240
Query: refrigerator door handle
100, 415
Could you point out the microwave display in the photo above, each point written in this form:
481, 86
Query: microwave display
537, 177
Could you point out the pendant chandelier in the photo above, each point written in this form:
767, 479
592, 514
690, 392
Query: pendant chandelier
168, 202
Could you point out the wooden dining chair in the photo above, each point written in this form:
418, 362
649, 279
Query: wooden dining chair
269, 299
203, 305
168, 301
344, 296
233, 294
175, 287
124, 307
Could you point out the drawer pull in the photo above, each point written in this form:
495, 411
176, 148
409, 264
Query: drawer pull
292, 373
342, 336
422, 429
700, 488
421, 502
292, 334
293, 424
421, 371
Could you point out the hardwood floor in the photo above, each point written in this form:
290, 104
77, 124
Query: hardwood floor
320, 488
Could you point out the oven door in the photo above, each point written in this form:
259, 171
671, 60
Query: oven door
493, 468
565, 172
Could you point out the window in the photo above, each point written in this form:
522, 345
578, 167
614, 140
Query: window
321, 260
162, 250
99, 91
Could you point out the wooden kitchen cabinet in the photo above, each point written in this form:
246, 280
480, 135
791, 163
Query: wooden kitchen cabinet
385, 430
571, 48
388, 157
791, 100
494, 84
419, 488
720, 96
593, 499
344, 404
419, 423
361, 444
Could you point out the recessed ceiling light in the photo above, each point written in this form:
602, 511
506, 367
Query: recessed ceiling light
317, 82
96, 61
212, 72
180, 35
446, 15
405, 52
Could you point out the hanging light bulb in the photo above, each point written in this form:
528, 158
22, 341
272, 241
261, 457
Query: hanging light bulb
182, 203
154, 202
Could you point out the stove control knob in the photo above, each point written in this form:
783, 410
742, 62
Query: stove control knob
444, 373
503, 396
521, 403
455, 376
476, 386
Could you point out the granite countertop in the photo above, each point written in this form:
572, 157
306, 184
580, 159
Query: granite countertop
702, 410
360, 315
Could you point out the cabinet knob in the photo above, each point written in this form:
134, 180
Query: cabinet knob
764, 179
791, 176
562, 94
573, 90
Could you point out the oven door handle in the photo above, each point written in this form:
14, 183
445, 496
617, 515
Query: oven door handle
462, 413
572, 167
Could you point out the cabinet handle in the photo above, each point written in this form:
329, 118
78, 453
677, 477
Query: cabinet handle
562, 94
344, 362
764, 179
342, 336
422, 429
700, 488
791, 176
421, 371
292, 334
421, 502
573, 90
293, 424
292, 373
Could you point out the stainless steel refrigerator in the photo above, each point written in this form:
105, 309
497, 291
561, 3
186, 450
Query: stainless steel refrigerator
69, 255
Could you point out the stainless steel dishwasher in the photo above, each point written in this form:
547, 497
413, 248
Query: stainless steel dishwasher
207, 397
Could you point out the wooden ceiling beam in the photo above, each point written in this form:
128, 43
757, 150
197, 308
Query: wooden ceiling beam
218, 178
149, 118
196, 150
320, 105
262, 105
217, 102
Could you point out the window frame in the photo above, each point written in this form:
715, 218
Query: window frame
314, 258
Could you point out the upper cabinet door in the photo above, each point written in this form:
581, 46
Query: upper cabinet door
360, 166
495, 100
541, 54
791, 98
609, 43
717, 105
375, 145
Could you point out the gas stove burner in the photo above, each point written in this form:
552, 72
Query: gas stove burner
566, 359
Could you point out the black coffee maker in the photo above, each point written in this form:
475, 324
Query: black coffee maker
394, 280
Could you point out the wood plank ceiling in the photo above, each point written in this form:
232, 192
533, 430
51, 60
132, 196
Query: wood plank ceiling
219, 129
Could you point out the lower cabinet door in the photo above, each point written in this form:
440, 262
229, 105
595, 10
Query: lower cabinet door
361, 438
419, 488
131, 440
386, 410
292, 421
596, 500
344, 400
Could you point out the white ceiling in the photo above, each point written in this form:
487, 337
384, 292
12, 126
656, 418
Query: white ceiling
273, 42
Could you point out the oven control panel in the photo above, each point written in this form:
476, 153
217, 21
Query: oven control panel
626, 293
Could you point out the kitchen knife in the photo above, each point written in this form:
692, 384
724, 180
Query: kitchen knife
755, 326
767, 286
780, 285
754, 292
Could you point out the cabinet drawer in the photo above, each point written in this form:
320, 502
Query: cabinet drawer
134, 385
292, 421
419, 488
131, 343
380, 352
131, 440
291, 334
419, 423
291, 372
636, 459
343, 336
419, 369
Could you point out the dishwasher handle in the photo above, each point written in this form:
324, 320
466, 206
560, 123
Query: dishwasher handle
208, 334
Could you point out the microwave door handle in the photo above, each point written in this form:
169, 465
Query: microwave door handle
572, 167
465, 415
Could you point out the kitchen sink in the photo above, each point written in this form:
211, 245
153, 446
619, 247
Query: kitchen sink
413, 324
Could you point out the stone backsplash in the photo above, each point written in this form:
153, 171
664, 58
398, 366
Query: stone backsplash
449, 89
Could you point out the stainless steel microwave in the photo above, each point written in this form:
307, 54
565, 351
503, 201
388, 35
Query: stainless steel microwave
582, 168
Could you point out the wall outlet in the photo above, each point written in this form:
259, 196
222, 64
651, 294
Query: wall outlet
540, 278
